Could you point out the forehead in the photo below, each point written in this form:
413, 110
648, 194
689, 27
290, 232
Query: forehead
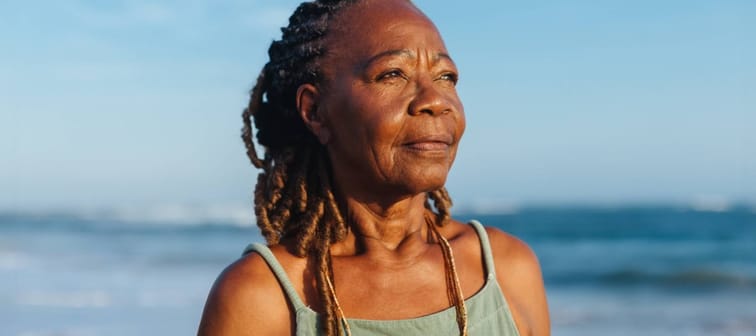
374, 26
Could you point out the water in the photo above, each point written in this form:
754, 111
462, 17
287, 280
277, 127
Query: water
608, 271
644, 271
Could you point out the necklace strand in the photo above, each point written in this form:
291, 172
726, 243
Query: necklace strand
342, 317
461, 308
450, 266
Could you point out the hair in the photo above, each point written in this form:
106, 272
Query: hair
294, 198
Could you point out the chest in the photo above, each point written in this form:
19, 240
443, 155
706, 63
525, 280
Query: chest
387, 294
368, 290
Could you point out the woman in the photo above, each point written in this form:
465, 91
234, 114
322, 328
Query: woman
358, 114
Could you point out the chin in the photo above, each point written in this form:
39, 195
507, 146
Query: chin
425, 180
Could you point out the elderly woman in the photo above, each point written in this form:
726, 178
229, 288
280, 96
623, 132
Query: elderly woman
360, 120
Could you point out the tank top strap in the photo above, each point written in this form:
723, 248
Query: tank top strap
279, 272
485, 246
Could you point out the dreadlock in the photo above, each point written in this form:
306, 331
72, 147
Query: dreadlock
293, 197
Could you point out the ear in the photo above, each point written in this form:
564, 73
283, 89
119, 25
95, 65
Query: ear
308, 97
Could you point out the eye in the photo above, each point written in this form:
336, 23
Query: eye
389, 75
449, 76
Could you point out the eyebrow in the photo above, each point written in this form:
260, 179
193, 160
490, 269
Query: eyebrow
407, 53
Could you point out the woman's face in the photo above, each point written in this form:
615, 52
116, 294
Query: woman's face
389, 100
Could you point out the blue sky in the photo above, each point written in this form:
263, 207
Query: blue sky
106, 104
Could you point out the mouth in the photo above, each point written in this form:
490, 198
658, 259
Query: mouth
430, 143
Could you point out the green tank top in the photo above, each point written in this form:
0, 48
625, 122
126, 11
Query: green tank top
487, 310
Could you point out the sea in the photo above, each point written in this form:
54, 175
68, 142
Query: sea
620, 270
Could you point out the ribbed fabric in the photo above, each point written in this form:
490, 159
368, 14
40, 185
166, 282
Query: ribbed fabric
487, 310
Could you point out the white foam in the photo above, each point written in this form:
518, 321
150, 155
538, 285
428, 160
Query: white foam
711, 203
11, 261
73, 299
66, 332
241, 215
153, 299
492, 207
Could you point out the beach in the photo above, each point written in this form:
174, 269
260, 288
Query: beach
643, 270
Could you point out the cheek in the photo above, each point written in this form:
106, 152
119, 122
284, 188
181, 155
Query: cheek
461, 122
382, 125
378, 112
367, 126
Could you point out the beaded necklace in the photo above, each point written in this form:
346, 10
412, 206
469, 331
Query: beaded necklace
452, 282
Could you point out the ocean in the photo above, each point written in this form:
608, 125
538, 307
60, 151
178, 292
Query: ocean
647, 270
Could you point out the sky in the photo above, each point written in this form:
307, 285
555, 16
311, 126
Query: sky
138, 103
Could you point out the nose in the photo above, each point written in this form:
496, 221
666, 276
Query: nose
428, 100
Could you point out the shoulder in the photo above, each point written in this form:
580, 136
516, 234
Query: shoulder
246, 299
512, 255
507, 249
518, 274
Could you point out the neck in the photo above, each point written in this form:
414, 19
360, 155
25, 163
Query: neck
396, 230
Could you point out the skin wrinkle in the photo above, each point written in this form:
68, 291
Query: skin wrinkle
389, 229
376, 156
375, 210
400, 52
388, 161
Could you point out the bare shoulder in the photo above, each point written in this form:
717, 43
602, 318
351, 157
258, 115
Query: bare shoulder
512, 255
246, 299
508, 250
518, 273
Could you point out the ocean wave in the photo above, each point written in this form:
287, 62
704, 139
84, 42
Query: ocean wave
163, 299
711, 203
63, 332
681, 278
180, 214
171, 216
74, 299
490, 207
696, 277
11, 260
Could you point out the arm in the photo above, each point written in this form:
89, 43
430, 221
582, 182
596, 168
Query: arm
519, 276
246, 299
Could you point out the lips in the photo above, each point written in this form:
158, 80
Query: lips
430, 143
